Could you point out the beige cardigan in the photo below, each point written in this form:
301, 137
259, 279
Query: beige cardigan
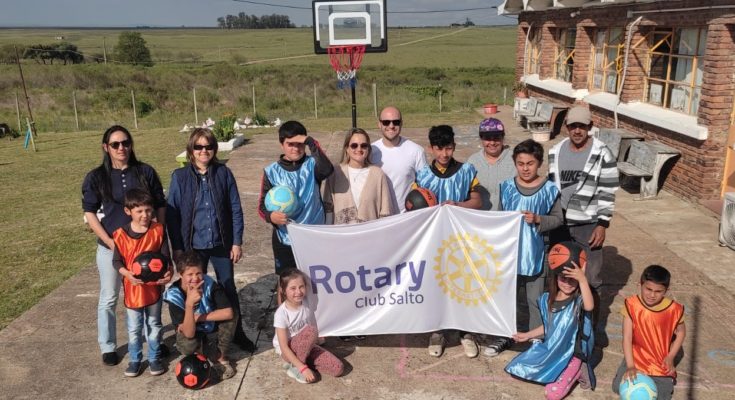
375, 201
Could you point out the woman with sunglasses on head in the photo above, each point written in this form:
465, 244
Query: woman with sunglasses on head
104, 188
357, 191
204, 214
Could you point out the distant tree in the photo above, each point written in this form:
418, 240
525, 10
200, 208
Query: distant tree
131, 48
244, 21
68, 52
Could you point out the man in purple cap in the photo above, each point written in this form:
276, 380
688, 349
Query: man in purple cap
586, 173
494, 162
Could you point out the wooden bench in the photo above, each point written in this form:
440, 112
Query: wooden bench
618, 140
645, 160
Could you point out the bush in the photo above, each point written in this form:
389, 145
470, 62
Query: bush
224, 128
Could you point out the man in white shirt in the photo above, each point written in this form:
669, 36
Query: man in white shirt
399, 158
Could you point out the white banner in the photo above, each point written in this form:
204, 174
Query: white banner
437, 268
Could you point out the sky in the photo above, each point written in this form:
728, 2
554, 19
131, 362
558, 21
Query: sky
204, 13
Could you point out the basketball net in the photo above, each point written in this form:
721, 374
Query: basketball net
345, 62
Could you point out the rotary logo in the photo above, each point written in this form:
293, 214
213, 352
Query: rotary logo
467, 268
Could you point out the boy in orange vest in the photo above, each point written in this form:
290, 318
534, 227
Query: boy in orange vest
653, 332
143, 300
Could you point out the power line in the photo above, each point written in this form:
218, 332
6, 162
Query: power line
388, 11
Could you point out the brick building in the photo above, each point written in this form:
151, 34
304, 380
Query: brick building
677, 86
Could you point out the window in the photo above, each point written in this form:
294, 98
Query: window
533, 52
607, 61
674, 68
564, 59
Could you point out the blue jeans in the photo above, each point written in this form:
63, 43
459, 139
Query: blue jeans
109, 291
136, 318
223, 268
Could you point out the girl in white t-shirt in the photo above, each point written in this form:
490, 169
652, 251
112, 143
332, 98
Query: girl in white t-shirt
296, 332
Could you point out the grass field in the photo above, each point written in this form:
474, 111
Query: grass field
469, 66
40, 211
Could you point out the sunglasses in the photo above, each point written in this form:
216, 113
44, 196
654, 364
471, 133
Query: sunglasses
363, 146
386, 122
200, 147
116, 145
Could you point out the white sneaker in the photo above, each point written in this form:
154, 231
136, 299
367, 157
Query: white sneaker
436, 344
469, 345
295, 374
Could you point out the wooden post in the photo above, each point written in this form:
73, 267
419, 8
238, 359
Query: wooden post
25, 91
253, 101
135, 114
375, 100
316, 111
33, 142
104, 49
196, 114
440, 98
505, 95
17, 112
76, 115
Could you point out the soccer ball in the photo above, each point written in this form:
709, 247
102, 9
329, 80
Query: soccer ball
149, 266
642, 388
282, 198
193, 371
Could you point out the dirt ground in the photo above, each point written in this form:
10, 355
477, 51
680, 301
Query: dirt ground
51, 350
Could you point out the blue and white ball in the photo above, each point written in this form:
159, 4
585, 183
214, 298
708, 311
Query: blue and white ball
642, 388
282, 198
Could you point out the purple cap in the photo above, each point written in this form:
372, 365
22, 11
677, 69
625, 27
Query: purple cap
492, 125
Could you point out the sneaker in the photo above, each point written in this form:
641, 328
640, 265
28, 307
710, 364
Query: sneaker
133, 369
225, 370
469, 345
436, 344
163, 350
498, 346
296, 375
536, 341
110, 358
242, 341
156, 368
352, 338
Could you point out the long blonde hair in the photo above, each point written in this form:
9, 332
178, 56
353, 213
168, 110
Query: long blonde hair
355, 131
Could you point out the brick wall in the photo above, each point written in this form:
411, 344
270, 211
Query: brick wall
698, 173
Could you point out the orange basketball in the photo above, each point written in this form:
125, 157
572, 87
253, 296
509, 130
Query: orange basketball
420, 198
562, 254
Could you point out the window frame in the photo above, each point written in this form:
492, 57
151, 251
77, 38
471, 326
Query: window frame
606, 66
564, 53
532, 59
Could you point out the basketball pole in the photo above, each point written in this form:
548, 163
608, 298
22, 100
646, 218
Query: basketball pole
354, 101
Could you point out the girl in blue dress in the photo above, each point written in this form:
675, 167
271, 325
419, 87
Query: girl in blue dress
561, 359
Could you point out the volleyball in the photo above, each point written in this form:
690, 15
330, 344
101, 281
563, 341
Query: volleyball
642, 388
282, 198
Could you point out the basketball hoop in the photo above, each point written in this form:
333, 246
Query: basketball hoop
345, 62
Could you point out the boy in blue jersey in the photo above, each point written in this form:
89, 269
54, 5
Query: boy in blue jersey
453, 183
303, 174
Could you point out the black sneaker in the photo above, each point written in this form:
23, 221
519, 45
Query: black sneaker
163, 351
498, 346
134, 369
242, 341
110, 358
352, 338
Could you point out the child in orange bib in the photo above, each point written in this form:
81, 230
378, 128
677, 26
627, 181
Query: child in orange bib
653, 332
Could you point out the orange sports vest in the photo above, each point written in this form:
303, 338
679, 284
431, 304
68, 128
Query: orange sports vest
653, 332
138, 296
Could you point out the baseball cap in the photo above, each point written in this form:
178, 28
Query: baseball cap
579, 114
491, 127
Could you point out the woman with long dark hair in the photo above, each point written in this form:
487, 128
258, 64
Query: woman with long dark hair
204, 214
104, 189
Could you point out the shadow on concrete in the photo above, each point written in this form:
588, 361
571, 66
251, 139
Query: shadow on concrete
615, 273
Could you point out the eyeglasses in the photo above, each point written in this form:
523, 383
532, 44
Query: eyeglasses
577, 125
386, 122
363, 146
116, 145
200, 147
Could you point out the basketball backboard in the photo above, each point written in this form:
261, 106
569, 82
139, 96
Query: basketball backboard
350, 23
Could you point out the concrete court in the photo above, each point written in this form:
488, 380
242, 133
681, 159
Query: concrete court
51, 350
